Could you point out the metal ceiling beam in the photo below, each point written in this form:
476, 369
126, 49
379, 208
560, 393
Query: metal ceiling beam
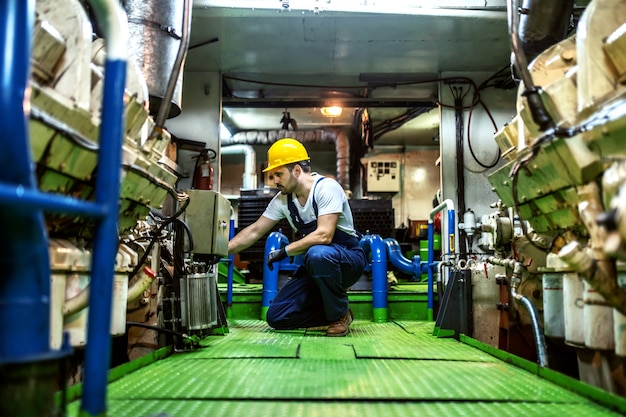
260, 103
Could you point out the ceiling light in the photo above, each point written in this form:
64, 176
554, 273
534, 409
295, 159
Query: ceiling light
333, 111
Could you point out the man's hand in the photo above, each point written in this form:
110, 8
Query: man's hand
276, 256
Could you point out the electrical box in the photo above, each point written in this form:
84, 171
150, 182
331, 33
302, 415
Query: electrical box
383, 176
208, 218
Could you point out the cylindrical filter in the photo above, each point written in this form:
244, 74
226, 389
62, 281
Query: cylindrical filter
573, 317
619, 320
118, 308
553, 309
598, 316
196, 301
553, 314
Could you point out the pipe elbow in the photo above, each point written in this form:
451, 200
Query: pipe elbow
399, 261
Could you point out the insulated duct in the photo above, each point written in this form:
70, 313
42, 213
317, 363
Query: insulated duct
543, 24
249, 171
155, 38
336, 136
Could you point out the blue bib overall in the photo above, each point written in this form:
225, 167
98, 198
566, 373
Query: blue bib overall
316, 293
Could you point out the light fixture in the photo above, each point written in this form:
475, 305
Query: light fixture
332, 111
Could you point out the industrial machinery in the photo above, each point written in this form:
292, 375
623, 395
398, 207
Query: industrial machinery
165, 281
559, 228
548, 285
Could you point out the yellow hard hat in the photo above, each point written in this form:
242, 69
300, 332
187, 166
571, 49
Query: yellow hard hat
285, 151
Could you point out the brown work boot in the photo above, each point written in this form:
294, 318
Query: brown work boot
341, 326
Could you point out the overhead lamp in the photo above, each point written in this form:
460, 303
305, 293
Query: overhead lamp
332, 111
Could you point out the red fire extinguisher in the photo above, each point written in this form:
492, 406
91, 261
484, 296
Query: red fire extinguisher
203, 173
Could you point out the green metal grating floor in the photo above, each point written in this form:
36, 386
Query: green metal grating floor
379, 369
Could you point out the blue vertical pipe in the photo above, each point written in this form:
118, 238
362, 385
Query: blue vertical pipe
231, 265
375, 247
97, 354
98, 349
24, 258
451, 233
379, 280
275, 240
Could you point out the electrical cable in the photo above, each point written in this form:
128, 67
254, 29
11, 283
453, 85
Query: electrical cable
157, 236
157, 328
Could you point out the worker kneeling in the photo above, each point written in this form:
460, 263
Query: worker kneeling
317, 208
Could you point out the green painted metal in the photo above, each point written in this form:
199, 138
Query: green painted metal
603, 397
381, 315
222, 270
393, 369
74, 392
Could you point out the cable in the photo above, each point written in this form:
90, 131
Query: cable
160, 329
157, 236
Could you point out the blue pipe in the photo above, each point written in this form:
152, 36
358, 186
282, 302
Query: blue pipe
450, 232
97, 354
275, 240
398, 260
373, 245
24, 258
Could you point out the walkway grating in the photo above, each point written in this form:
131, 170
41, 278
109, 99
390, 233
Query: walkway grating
379, 369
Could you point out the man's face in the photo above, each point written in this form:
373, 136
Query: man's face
284, 180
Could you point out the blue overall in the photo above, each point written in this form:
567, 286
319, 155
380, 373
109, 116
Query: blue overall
316, 293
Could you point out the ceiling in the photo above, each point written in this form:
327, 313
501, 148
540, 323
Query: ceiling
385, 59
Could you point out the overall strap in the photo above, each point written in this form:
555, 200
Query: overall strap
293, 211
313, 197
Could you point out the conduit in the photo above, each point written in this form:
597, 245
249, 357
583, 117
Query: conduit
373, 245
336, 136
516, 279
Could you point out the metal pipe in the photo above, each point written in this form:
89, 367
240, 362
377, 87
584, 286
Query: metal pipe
249, 172
394, 254
77, 303
540, 341
112, 20
516, 278
275, 240
336, 136
374, 245
28, 363
136, 289
543, 24
449, 205
537, 109
166, 102
26, 283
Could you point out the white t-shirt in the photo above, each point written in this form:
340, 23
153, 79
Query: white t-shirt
329, 197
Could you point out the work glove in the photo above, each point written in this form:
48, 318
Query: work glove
276, 256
